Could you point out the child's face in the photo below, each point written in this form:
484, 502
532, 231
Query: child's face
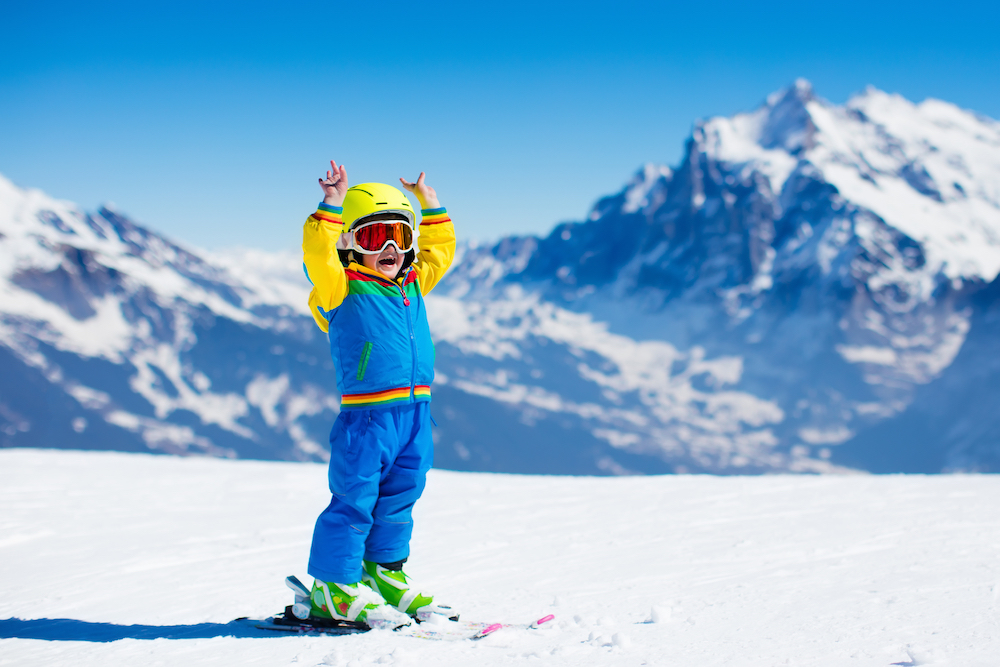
388, 263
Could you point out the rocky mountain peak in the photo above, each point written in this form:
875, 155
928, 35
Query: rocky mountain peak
787, 123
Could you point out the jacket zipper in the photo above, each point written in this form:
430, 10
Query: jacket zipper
413, 340
409, 325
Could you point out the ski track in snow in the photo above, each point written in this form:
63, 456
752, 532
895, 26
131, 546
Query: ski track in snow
675, 570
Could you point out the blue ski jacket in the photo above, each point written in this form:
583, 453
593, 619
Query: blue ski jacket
379, 337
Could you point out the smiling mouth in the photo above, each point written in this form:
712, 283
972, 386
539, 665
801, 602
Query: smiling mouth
387, 261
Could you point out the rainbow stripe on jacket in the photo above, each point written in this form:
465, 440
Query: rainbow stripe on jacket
331, 214
381, 399
433, 216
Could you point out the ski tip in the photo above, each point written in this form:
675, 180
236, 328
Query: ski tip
543, 620
488, 630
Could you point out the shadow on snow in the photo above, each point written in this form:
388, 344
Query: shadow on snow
71, 630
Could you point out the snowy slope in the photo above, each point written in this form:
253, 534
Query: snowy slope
132, 559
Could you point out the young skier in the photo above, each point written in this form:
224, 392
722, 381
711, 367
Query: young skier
368, 281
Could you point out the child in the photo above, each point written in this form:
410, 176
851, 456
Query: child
368, 294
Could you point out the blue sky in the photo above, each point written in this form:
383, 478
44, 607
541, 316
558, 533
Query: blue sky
212, 123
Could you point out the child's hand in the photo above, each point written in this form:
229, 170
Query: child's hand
335, 185
425, 193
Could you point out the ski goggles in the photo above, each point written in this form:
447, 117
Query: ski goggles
372, 238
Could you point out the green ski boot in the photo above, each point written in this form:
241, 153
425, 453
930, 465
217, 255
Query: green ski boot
355, 603
397, 590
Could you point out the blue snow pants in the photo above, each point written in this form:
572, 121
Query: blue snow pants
378, 467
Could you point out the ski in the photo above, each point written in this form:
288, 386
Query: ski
440, 623
288, 622
441, 629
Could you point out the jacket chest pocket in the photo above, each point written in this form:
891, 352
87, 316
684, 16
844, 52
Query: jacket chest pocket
366, 353
377, 363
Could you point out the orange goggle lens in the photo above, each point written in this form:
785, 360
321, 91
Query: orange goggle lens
373, 238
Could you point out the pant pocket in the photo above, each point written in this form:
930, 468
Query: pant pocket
353, 461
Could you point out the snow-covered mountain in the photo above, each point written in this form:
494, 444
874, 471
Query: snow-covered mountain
809, 290
112, 337
793, 282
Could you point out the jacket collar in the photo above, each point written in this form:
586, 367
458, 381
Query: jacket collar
361, 268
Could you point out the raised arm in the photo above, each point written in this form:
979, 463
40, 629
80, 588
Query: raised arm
319, 248
437, 236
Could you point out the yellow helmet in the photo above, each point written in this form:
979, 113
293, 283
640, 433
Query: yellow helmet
367, 199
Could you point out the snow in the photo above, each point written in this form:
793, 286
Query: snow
930, 170
36, 227
105, 334
648, 389
868, 354
272, 276
134, 552
637, 193
98, 286
222, 410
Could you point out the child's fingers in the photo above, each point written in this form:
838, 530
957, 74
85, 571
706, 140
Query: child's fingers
420, 179
336, 174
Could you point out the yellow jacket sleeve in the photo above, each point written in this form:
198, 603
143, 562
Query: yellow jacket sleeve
322, 263
437, 247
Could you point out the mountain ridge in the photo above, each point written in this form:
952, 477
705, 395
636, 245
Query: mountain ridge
807, 273
710, 246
